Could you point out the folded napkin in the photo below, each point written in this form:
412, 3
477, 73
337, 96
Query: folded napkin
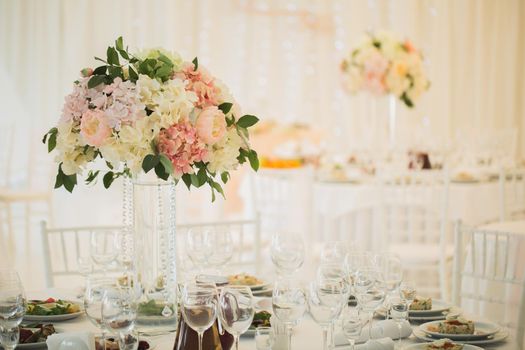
71, 341
377, 344
380, 329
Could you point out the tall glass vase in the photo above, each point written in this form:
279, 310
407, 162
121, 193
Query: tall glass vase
149, 216
384, 118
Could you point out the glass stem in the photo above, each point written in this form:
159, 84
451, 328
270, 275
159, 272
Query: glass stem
200, 340
399, 327
370, 317
331, 344
325, 338
352, 344
289, 329
103, 340
236, 342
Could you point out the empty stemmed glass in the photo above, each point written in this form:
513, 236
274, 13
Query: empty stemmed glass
334, 252
221, 247
370, 294
288, 304
119, 312
407, 292
326, 299
352, 325
236, 310
93, 299
287, 252
198, 248
199, 306
390, 274
399, 313
104, 247
12, 308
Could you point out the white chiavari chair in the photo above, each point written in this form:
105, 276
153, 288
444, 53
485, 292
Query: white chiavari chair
489, 276
512, 194
414, 225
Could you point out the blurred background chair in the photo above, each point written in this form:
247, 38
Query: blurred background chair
512, 193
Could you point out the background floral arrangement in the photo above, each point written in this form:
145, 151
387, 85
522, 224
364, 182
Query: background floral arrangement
150, 111
383, 64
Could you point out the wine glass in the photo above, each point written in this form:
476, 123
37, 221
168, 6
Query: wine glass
324, 310
199, 301
85, 268
399, 313
334, 252
93, 300
352, 325
198, 247
407, 292
264, 338
236, 310
12, 308
390, 275
370, 294
119, 311
287, 252
221, 247
104, 247
288, 304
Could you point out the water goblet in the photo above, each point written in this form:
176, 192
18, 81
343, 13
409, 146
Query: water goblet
236, 310
199, 307
12, 308
264, 338
407, 292
287, 252
334, 252
390, 274
221, 247
288, 304
370, 294
399, 313
119, 311
198, 247
104, 247
93, 300
352, 325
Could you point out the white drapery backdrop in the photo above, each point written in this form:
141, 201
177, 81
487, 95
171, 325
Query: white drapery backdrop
281, 58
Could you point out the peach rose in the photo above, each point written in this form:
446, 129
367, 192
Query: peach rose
94, 127
211, 125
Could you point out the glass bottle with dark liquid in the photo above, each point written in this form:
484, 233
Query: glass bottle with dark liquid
214, 338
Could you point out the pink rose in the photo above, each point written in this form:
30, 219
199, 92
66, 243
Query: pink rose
94, 127
211, 125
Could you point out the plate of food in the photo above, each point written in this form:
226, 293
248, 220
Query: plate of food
34, 336
426, 307
442, 344
496, 338
464, 177
460, 329
243, 279
51, 310
260, 319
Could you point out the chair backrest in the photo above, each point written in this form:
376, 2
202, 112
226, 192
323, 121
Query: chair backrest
7, 134
414, 207
512, 194
489, 275
63, 246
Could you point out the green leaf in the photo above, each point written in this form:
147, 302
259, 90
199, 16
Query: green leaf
58, 180
92, 175
195, 180
150, 161
163, 58
408, 102
115, 72
52, 142
100, 59
225, 176
202, 176
247, 120
164, 72
109, 165
254, 160
100, 70
161, 173
242, 155
230, 121
166, 163
195, 63
225, 107
124, 54
108, 179
187, 180
217, 186
112, 56
95, 81
69, 181
119, 43
133, 76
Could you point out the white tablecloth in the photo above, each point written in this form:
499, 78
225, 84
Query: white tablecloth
307, 335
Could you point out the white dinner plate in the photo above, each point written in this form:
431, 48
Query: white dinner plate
52, 318
423, 347
263, 285
438, 307
482, 330
39, 345
496, 338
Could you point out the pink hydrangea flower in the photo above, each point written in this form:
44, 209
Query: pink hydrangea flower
202, 83
181, 144
76, 102
123, 103
94, 127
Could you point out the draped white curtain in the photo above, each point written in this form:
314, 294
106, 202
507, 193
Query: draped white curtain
281, 58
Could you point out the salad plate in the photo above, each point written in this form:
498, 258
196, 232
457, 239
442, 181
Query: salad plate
482, 330
52, 310
495, 338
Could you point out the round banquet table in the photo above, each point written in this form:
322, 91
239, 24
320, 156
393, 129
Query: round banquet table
307, 335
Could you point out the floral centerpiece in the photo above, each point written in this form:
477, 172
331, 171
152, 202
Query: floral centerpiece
383, 64
150, 111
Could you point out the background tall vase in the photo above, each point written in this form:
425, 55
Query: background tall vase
383, 110
149, 207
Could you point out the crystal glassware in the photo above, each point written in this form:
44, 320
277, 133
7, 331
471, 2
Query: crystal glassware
104, 247
199, 307
119, 311
352, 325
370, 294
390, 275
198, 248
93, 299
221, 247
407, 292
12, 308
236, 310
288, 304
399, 313
334, 252
287, 252
264, 338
